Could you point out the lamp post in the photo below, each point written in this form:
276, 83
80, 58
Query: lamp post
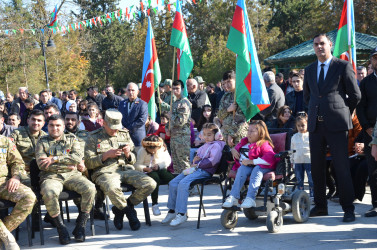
50, 44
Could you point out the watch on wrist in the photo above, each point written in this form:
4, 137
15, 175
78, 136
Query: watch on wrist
55, 158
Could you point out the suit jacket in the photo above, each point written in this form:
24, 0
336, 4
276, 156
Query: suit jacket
135, 120
335, 100
277, 100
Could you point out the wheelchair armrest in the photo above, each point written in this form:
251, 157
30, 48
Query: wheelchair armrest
285, 154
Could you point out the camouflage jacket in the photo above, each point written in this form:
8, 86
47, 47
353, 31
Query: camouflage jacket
231, 126
67, 149
180, 118
165, 104
374, 141
11, 163
26, 143
82, 136
100, 142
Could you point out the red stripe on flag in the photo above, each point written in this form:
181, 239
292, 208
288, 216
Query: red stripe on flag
238, 20
343, 18
147, 87
178, 23
247, 81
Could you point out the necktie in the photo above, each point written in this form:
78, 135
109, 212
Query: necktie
321, 79
129, 105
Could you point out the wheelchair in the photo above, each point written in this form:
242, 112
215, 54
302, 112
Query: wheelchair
277, 196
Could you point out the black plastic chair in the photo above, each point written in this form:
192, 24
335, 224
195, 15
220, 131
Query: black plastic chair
5, 205
64, 196
126, 188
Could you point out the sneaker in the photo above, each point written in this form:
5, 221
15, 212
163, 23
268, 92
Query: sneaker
248, 203
178, 220
169, 217
156, 210
230, 202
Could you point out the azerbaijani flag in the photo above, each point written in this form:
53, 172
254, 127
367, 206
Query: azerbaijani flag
54, 16
346, 35
151, 72
179, 39
251, 93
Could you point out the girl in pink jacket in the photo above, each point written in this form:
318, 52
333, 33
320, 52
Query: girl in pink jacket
254, 157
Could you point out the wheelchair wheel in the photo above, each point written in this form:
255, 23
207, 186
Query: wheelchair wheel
300, 206
274, 222
229, 219
250, 213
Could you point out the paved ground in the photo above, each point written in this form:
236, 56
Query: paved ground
318, 233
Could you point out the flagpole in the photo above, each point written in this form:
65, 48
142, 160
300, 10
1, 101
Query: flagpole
159, 99
234, 102
350, 55
171, 94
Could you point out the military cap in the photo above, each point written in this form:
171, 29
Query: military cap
113, 119
167, 82
199, 79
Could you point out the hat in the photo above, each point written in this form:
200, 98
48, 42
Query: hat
113, 118
212, 86
69, 103
373, 52
199, 79
161, 85
167, 82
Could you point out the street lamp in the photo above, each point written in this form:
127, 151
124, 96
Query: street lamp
50, 44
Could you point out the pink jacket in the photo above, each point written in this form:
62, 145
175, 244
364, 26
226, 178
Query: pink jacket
264, 152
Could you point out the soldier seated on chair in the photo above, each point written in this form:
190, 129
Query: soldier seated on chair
11, 164
57, 155
108, 151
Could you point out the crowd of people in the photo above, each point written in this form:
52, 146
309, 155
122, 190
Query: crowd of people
93, 145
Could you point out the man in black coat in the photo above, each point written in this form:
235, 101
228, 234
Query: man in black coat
111, 101
367, 114
196, 97
331, 91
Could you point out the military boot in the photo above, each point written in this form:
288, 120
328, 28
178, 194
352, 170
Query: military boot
79, 231
48, 219
7, 238
62, 230
132, 216
118, 219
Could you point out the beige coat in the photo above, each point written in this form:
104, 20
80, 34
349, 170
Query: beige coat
162, 158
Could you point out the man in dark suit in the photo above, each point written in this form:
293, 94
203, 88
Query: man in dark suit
331, 91
135, 114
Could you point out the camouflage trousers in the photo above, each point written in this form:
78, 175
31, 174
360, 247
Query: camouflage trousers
110, 185
24, 198
180, 152
52, 186
236, 134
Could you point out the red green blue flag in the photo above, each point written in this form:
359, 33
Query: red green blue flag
179, 39
54, 16
151, 72
345, 39
251, 93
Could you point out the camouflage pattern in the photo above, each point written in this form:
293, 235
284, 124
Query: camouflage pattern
81, 136
166, 99
26, 143
114, 171
180, 134
374, 141
235, 126
59, 175
11, 164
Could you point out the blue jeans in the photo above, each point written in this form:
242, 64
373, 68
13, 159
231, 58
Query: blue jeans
300, 169
179, 189
256, 176
192, 154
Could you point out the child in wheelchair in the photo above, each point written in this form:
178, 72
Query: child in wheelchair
254, 158
204, 166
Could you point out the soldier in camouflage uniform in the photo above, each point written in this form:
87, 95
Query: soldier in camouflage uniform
57, 155
234, 127
166, 99
108, 153
180, 133
11, 164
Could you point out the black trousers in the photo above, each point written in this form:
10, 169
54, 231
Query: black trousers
372, 168
338, 143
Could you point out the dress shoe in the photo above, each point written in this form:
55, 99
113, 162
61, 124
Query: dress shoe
371, 212
315, 211
349, 216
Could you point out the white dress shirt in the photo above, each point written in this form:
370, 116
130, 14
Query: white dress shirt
325, 68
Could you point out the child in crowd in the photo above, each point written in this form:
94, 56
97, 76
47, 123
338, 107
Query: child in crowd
206, 117
259, 160
153, 158
94, 119
151, 126
161, 132
301, 158
29, 104
205, 164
